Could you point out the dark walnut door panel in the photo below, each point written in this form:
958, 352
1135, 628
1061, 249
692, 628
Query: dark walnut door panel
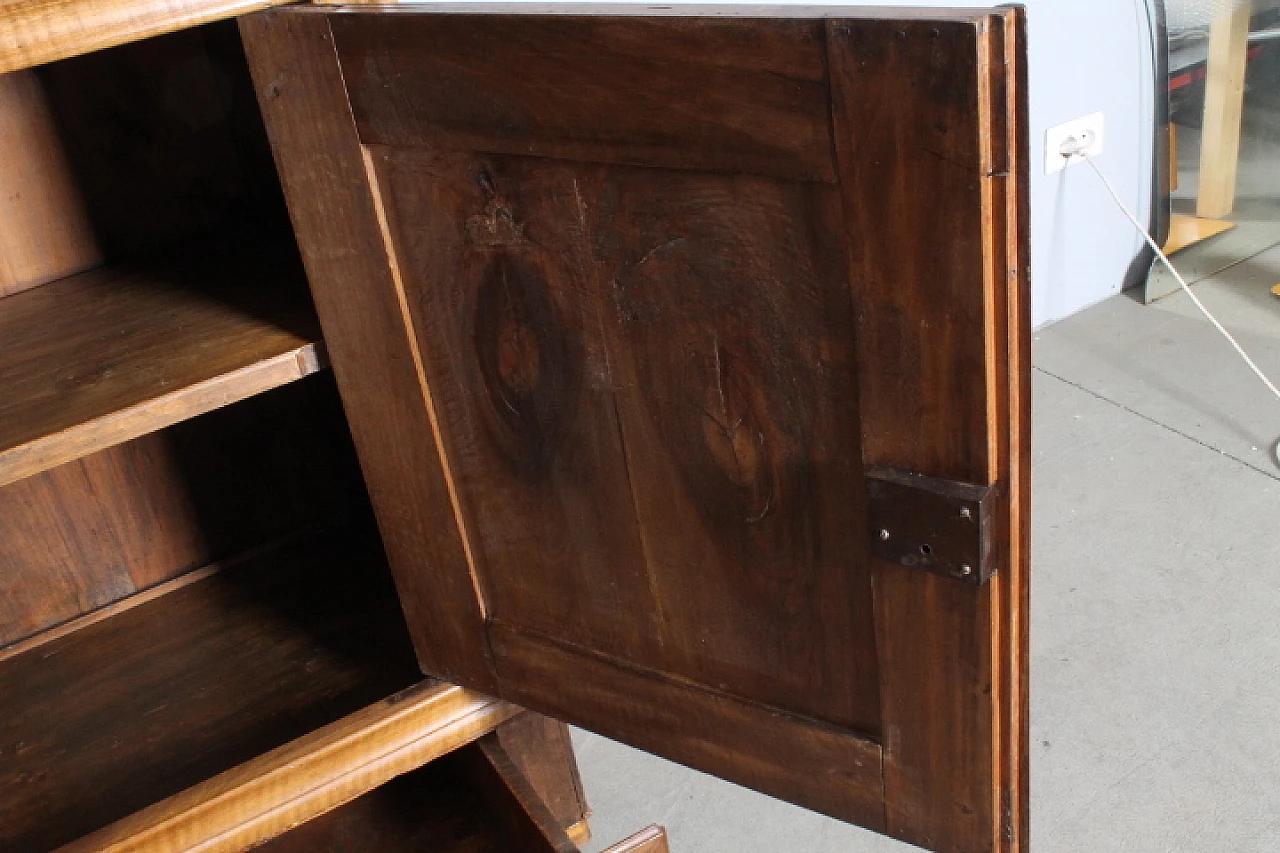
631, 316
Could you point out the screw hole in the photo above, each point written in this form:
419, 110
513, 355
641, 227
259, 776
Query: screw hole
926, 549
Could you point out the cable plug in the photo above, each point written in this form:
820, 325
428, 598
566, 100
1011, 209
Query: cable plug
1077, 145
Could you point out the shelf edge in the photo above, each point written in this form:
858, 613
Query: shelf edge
33, 33
303, 779
76, 442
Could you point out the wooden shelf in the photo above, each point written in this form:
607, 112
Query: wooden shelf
33, 32
128, 711
297, 782
440, 808
109, 355
437, 808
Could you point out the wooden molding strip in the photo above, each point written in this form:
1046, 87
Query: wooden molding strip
262, 798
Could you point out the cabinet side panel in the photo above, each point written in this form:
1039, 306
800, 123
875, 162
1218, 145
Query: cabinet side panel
332, 205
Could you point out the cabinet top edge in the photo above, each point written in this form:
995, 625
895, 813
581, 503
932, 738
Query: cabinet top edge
657, 10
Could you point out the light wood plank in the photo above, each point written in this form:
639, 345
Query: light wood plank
653, 839
33, 32
1223, 105
306, 778
1186, 231
106, 356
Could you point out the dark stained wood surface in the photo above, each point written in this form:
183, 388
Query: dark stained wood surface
655, 384
379, 370
164, 141
117, 352
935, 210
710, 95
794, 758
114, 717
616, 412
97, 530
542, 749
515, 804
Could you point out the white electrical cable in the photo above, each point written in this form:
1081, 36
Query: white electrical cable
1182, 282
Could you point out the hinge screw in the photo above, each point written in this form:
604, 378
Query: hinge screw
884, 534
966, 570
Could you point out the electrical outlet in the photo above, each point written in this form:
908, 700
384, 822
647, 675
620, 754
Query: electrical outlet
1087, 134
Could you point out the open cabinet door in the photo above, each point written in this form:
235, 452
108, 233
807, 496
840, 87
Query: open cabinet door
687, 359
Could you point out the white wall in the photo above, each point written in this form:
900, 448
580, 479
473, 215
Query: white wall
1085, 56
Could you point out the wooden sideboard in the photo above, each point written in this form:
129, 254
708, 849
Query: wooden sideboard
666, 375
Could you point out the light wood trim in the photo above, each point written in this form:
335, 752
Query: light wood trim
1223, 106
580, 832
652, 839
308, 777
1186, 231
33, 32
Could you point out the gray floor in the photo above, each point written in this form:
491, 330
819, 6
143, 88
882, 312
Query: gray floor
1156, 592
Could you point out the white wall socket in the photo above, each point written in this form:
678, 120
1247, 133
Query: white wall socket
1089, 131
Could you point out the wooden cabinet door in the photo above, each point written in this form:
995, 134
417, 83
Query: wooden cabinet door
687, 359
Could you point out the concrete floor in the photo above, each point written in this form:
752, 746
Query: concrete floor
1155, 605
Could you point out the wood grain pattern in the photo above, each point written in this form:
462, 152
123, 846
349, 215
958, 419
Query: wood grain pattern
292, 784
542, 749
654, 387
439, 807
1223, 111
33, 32
515, 804
435, 808
91, 533
108, 355
801, 760
652, 839
944, 378
616, 412
710, 95
46, 231
1015, 613
299, 85
126, 712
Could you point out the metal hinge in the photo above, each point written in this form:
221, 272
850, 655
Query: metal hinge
939, 526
